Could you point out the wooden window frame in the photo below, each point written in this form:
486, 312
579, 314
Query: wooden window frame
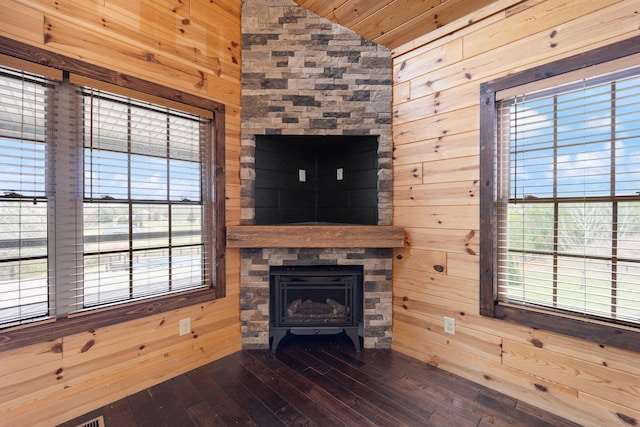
49, 331
600, 332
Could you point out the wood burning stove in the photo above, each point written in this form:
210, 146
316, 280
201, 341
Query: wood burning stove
316, 300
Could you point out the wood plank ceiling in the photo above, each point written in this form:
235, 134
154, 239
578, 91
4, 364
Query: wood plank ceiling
393, 23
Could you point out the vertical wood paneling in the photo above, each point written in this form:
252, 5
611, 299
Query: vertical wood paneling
190, 45
436, 130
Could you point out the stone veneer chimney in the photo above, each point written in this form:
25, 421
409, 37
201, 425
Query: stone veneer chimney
304, 75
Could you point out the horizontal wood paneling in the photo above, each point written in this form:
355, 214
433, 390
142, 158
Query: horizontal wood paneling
23, 22
448, 193
70, 39
439, 217
392, 23
466, 120
423, 99
595, 379
462, 241
440, 148
189, 45
163, 42
435, 285
436, 96
516, 28
465, 340
408, 175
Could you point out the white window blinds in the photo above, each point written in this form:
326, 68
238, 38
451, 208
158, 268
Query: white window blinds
105, 198
569, 198
24, 201
143, 199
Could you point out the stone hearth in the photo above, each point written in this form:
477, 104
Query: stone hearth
304, 75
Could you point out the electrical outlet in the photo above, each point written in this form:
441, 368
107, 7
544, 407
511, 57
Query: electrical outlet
339, 174
302, 175
450, 325
185, 326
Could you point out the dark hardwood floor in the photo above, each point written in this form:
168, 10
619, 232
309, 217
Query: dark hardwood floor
319, 381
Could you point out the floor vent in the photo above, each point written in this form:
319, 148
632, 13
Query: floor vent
96, 422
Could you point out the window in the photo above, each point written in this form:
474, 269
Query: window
563, 217
24, 204
106, 198
143, 207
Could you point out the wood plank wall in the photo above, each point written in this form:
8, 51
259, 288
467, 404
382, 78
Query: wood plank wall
194, 45
191, 45
435, 131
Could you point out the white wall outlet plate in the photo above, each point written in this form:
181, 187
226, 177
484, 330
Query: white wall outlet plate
302, 175
185, 326
339, 174
450, 325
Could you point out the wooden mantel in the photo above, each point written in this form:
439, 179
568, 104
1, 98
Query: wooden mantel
315, 236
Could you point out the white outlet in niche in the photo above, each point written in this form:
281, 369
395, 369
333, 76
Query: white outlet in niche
339, 174
450, 325
302, 175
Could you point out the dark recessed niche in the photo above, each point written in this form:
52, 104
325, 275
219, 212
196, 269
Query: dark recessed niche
316, 179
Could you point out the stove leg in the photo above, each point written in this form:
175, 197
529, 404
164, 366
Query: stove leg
278, 334
353, 334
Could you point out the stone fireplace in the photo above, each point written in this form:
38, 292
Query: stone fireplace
303, 75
